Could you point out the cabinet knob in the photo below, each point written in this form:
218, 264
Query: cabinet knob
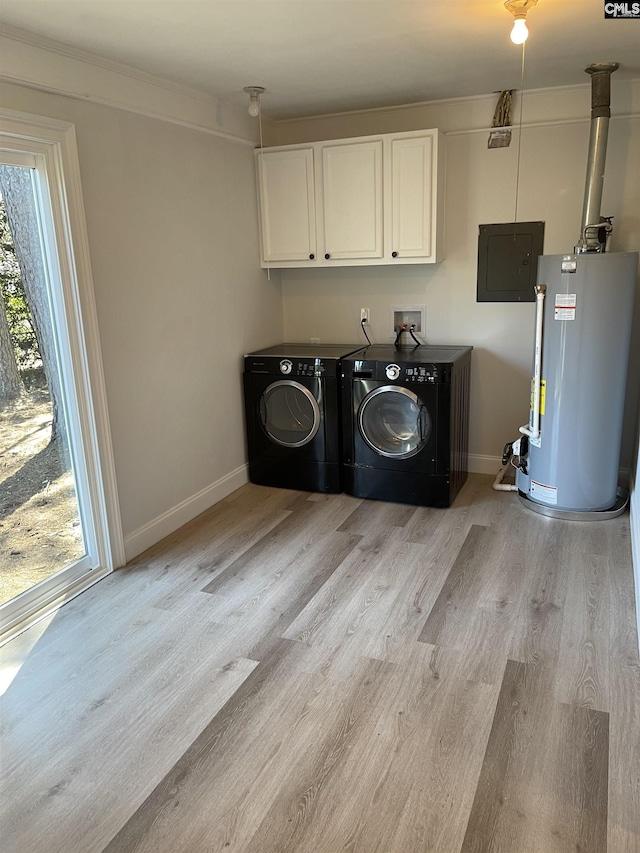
394, 254
311, 257
327, 256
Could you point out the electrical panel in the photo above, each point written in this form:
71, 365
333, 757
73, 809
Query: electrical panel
508, 261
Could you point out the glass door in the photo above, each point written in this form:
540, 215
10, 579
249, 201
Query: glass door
41, 531
60, 527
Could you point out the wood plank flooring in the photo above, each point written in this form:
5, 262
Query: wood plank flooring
319, 674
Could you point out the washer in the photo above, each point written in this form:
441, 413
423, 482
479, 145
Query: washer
406, 423
292, 412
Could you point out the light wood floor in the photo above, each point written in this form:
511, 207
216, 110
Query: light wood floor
295, 672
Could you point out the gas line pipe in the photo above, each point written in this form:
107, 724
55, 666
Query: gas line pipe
532, 429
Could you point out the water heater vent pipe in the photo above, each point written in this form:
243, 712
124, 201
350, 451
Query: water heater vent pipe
592, 236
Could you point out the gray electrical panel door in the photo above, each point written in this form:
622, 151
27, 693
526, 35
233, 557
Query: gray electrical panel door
507, 261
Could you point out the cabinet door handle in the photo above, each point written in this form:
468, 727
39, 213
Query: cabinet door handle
311, 257
394, 254
327, 256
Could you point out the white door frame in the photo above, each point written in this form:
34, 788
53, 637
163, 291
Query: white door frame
52, 145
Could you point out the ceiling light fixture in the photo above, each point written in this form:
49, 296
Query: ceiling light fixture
519, 9
254, 93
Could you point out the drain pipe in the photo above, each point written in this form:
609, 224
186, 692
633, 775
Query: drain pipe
594, 231
499, 486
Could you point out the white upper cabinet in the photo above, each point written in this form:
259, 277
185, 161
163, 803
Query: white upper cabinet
413, 213
351, 200
347, 202
287, 205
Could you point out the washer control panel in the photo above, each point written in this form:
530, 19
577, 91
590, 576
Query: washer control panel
418, 366
316, 367
423, 373
431, 374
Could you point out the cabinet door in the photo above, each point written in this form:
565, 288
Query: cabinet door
351, 203
412, 197
287, 205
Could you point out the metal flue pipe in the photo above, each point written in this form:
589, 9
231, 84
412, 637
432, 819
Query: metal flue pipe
590, 238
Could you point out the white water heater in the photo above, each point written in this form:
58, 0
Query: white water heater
568, 456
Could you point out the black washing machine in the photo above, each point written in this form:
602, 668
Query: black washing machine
292, 410
406, 423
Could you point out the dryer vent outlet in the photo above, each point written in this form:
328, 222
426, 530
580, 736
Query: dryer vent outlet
407, 317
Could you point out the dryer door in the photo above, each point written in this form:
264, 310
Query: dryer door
289, 413
394, 422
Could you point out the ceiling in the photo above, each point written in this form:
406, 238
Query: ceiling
321, 56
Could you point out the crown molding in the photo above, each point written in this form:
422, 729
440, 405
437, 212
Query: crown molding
575, 88
121, 68
163, 99
45, 65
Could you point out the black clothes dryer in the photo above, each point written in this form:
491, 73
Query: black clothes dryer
406, 423
292, 410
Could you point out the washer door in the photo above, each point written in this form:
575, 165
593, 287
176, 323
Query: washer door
289, 413
394, 422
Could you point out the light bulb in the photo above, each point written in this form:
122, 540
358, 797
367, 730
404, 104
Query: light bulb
519, 33
254, 93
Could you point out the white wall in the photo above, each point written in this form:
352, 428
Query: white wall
172, 224
480, 188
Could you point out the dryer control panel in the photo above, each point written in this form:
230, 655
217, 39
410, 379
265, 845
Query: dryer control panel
309, 367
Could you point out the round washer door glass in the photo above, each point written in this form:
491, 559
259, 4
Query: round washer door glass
394, 421
289, 413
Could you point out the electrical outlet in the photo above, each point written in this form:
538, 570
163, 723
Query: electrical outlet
365, 316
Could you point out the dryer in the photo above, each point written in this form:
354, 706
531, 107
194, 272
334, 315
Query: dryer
292, 414
406, 423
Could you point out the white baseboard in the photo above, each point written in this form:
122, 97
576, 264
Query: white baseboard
171, 520
491, 464
484, 464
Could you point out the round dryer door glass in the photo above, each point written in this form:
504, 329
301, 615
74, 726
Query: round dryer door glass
394, 422
289, 413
